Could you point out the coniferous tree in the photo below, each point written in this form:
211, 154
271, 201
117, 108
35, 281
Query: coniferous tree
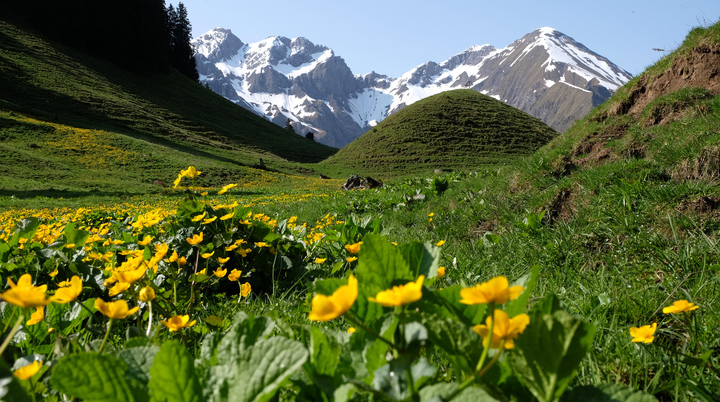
181, 52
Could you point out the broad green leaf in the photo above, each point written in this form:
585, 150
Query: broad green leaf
423, 259
94, 377
172, 375
10, 388
243, 333
392, 378
381, 265
75, 236
208, 347
139, 360
325, 350
606, 393
261, 369
519, 305
446, 303
549, 352
462, 345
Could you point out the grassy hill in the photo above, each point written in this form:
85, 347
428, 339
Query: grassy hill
455, 129
74, 122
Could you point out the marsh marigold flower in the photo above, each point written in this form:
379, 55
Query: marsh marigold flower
353, 248
505, 329
326, 308
25, 294
114, 310
495, 290
222, 260
196, 239
178, 322
351, 259
226, 188
145, 241
26, 372
440, 243
320, 260
37, 316
234, 275
200, 217
68, 291
147, 294
245, 289
680, 306
220, 272
644, 334
400, 295
440, 272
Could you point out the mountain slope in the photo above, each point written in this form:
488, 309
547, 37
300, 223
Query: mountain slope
455, 129
67, 92
294, 79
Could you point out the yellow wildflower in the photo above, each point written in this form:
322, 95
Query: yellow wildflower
178, 322
209, 220
70, 245
200, 217
223, 260
353, 248
54, 273
440, 272
113, 310
261, 244
644, 334
207, 255
400, 295
234, 275
505, 329
26, 372
145, 241
440, 243
118, 288
68, 291
220, 272
147, 294
320, 260
325, 308
680, 306
226, 188
190, 172
196, 239
37, 316
351, 259
228, 216
25, 294
495, 290
351, 330
245, 289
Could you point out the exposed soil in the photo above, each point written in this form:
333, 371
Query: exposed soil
706, 206
700, 69
593, 149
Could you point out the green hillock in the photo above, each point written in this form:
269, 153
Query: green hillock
459, 129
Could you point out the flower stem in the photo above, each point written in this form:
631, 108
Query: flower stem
147, 332
351, 317
490, 336
12, 333
102, 345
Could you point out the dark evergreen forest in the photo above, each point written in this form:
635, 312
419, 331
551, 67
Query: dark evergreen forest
141, 35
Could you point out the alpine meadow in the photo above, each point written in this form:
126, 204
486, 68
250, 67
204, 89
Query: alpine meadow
158, 242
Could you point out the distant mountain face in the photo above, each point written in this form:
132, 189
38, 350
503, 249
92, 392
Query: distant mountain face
546, 74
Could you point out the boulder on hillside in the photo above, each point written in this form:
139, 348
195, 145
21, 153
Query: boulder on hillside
356, 182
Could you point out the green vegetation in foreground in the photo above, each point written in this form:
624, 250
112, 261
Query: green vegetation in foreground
456, 129
72, 122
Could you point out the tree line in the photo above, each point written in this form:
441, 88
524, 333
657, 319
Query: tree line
141, 35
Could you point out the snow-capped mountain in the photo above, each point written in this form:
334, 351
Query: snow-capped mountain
546, 73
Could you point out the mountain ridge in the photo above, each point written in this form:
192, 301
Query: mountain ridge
282, 78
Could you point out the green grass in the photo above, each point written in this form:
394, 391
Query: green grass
451, 130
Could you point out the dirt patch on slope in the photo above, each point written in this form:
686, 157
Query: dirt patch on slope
593, 150
701, 68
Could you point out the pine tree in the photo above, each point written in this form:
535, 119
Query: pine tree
181, 52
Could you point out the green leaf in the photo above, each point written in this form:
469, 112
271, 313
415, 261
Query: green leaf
243, 333
462, 345
326, 351
606, 393
381, 265
422, 259
139, 360
25, 229
261, 369
95, 378
519, 305
75, 236
172, 375
446, 303
549, 352
392, 378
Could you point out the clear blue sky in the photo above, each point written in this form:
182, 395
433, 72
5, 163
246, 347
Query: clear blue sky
392, 37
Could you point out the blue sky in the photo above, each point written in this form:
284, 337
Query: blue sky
392, 37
